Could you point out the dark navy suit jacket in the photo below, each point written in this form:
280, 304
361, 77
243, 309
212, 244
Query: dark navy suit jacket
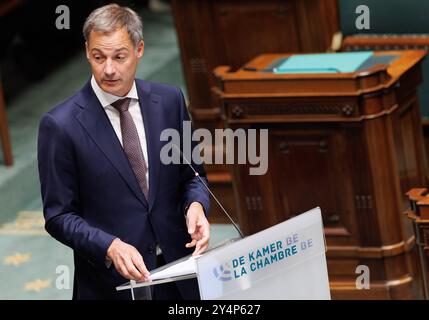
91, 195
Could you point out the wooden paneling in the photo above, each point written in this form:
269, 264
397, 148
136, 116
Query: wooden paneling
218, 32
231, 32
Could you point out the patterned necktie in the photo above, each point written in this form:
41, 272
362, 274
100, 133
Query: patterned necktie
131, 143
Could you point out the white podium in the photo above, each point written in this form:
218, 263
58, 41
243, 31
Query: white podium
284, 262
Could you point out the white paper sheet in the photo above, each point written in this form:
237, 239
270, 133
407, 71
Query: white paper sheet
179, 269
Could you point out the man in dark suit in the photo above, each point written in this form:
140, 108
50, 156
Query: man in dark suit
106, 193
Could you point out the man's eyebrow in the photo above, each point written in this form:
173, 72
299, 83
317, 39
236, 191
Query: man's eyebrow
116, 50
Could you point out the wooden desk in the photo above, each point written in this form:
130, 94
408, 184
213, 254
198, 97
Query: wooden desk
350, 143
398, 42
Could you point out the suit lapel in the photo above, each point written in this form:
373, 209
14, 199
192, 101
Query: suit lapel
150, 107
95, 121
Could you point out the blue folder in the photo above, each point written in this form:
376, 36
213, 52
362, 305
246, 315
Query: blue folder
323, 63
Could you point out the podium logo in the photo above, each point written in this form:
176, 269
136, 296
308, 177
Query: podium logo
223, 272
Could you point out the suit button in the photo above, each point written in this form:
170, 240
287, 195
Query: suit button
151, 250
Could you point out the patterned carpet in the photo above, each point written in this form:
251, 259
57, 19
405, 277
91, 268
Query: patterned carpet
30, 260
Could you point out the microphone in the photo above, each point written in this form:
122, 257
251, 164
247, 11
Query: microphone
208, 189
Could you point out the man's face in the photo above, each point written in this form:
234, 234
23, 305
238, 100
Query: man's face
113, 60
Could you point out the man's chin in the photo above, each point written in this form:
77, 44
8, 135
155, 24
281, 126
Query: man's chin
112, 87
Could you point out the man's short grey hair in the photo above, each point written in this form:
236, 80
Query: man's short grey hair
112, 17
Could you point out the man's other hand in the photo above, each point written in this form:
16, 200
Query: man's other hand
127, 261
198, 228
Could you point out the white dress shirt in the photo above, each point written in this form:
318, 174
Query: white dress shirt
106, 99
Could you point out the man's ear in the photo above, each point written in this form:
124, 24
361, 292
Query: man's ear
87, 50
140, 49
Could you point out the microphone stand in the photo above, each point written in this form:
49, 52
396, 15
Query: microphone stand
208, 189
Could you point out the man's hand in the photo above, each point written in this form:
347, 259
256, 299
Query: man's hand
198, 228
127, 261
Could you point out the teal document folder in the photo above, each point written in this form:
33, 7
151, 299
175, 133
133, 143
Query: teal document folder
324, 62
